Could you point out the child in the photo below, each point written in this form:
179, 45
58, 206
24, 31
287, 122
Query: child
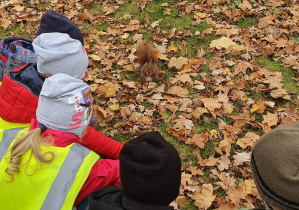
46, 168
16, 51
275, 167
57, 52
54, 22
150, 171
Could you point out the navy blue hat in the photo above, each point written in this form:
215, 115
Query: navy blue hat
150, 169
54, 22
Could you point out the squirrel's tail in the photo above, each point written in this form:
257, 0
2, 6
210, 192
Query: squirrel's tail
147, 52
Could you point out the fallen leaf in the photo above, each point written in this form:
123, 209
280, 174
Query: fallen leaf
178, 91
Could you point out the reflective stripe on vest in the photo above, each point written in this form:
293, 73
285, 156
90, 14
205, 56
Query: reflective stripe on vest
53, 186
9, 136
66, 175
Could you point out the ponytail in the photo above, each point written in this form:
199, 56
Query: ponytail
32, 140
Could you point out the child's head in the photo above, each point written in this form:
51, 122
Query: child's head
65, 104
150, 169
275, 167
59, 53
54, 22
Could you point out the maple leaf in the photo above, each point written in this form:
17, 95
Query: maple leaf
178, 62
245, 5
203, 197
265, 21
188, 124
242, 67
195, 171
211, 161
225, 42
199, 139
211, 103
270, 119
235, 195
224, 162
178, 91
249, 139
241, 158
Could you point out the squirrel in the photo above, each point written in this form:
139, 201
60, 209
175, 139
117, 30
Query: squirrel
147, 57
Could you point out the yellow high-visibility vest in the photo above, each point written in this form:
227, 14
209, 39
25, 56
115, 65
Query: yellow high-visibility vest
52, 186
8, 125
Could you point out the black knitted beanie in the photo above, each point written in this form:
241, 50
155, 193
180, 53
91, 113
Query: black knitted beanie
54, 22
275, 167
150, 169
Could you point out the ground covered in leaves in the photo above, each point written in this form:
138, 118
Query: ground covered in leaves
228, 69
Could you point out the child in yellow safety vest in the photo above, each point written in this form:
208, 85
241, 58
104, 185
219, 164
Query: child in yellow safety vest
44, 168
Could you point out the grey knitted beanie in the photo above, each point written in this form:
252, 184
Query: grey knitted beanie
275, 167
65, 104
59, 53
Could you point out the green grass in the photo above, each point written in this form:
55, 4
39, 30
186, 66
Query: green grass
16, 30
188, 205
288, 73
182, 148
246, 23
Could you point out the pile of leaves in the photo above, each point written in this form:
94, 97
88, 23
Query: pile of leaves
214, 95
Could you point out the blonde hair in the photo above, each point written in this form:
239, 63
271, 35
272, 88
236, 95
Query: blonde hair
32, 140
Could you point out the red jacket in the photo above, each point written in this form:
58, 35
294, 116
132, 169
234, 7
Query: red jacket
18, 101
104, 172
19, 95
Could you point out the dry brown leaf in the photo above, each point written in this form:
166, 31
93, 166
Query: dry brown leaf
241, 158
177, 62
270, 119
225, 42
178, 91
211, 103
203, 197
248, 140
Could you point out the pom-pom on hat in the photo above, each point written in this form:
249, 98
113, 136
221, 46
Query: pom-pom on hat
59, 53
54, 22
150, 169
65, 104
275, 167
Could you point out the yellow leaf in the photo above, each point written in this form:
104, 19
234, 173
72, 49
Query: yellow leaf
201, 15
111, 92
105, 47
225, 42
248, 186
102, 33
95, 57
114, 107
109, 12
280, 109
126, 35
214, 133
167, 11
18, 8
254, 108
172, 48
163, 57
